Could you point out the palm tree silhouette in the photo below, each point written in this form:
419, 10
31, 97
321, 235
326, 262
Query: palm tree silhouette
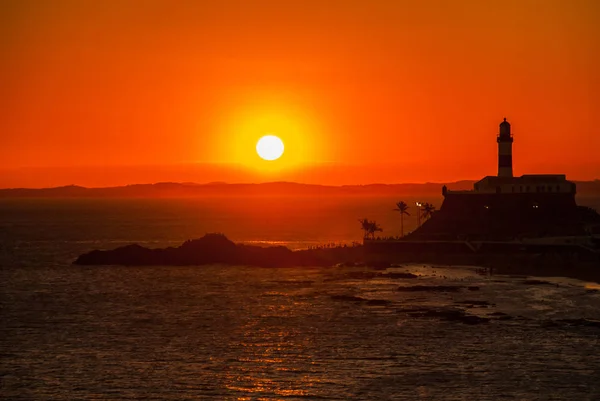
373, 228
428, 210
365, 225
403, 209
369, 227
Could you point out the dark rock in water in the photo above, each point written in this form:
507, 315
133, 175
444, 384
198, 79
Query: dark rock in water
500, 316
474, 320
361, 275
536, 282
399, 275
347, 298
378, 302
475, 303
356, 275
300, 283
370, 302
413, 311
217, 249
431, 288
451, 315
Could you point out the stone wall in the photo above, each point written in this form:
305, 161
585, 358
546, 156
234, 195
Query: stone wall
500, 217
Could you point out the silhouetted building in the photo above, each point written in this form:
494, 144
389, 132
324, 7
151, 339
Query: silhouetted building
505, 183
506, 207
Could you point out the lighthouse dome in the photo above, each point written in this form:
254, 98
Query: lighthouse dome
504, 129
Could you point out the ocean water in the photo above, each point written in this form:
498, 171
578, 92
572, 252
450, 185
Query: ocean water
237, 333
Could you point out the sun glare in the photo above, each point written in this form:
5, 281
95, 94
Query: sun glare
268, 140
269, 147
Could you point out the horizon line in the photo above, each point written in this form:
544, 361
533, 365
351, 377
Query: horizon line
224, 183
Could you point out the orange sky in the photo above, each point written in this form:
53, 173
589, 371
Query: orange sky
96, 91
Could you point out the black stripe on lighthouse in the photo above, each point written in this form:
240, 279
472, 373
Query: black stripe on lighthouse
504, 160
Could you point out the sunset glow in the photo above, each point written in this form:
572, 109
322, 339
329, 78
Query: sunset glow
245, 122
413, 88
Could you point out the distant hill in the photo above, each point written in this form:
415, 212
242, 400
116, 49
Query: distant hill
169, 189
184, 190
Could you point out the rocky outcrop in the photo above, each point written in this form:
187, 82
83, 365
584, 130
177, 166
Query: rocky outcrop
504, 217
218, 249
431, 288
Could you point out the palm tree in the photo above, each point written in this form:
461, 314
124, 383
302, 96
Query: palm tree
369, 227
365, 225
428, 210
403, 209
373, 228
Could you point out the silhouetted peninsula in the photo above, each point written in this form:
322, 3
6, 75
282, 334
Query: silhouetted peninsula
218, 249
530, 223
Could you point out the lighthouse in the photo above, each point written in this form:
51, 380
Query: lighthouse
538, 186
505, 141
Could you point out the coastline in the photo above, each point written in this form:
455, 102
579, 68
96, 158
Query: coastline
539, 265
217, 249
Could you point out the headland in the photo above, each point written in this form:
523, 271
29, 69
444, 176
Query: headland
527, 224
516, 225
218, 249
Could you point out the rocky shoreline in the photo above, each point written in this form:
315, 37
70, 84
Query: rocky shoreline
527, 264
217, 249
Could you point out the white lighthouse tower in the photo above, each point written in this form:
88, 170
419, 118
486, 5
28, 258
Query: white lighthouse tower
505, 141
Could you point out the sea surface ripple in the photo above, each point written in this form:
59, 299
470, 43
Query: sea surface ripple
239, 333
251, 333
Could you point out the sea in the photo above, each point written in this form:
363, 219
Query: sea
240, 333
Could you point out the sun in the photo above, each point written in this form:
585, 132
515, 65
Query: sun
269, 147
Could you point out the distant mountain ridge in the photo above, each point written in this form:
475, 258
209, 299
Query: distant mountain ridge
173, 189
